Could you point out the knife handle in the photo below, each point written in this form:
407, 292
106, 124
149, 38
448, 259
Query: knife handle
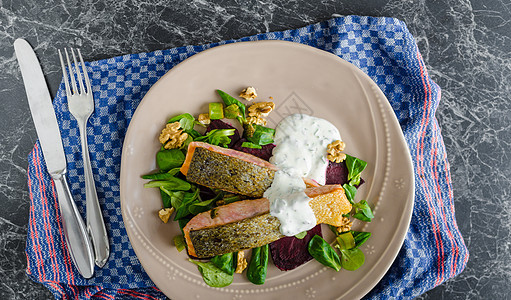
77, 240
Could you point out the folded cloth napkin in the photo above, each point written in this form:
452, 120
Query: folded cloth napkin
383, 48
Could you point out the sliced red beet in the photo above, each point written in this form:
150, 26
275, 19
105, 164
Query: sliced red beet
219, 124
289, 252
337, 173
263, 153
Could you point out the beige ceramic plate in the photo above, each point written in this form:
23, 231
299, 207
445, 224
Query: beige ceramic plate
299, 79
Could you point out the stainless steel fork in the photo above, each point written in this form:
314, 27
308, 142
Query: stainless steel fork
81, 106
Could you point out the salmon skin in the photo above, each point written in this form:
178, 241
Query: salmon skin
226, 169
246, 234
248, 224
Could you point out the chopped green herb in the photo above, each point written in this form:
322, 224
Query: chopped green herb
345, 241
179, 242
250, 145
229, 100
232, 111
216, 111
301, 235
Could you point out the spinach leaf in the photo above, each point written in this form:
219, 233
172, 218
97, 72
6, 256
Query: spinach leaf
262, 135
231, 199
219, 137
165, 199
212, 275
225, 263
363, 211
229, 100
188, 199
355, 168
186, 122
172, 183
162, 175
176, 197
352, 259
350, 192
324, 253
180, 117
158, 176
198, 207
345, 241
179, 242
256, 271
360, 237
182, 222
250, 145
169, 158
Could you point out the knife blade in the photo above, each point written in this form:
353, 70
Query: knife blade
45, 121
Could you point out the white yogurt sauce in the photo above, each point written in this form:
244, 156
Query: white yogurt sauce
301, 148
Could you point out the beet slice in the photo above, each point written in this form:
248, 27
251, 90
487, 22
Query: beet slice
289, 252
263, 153
337, 173
219, 124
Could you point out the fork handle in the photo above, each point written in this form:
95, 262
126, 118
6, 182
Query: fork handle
95, 223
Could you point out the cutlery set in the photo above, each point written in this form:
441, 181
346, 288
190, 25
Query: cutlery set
87, 242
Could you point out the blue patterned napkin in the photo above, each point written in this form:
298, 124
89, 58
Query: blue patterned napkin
383, 48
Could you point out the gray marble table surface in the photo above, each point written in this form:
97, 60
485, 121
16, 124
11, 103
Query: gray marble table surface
466, 45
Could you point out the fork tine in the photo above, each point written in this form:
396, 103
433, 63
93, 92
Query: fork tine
85, 73
64, 74
77, 68
71, 74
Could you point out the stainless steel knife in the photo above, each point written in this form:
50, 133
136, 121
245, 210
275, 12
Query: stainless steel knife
43, 115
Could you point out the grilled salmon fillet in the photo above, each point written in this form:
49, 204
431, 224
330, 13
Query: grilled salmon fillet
247, 224
226, 169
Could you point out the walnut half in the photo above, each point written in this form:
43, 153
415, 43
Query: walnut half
261, 109
172, 137
241, 263
248, 93
334, 153
165, 214
346, 225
